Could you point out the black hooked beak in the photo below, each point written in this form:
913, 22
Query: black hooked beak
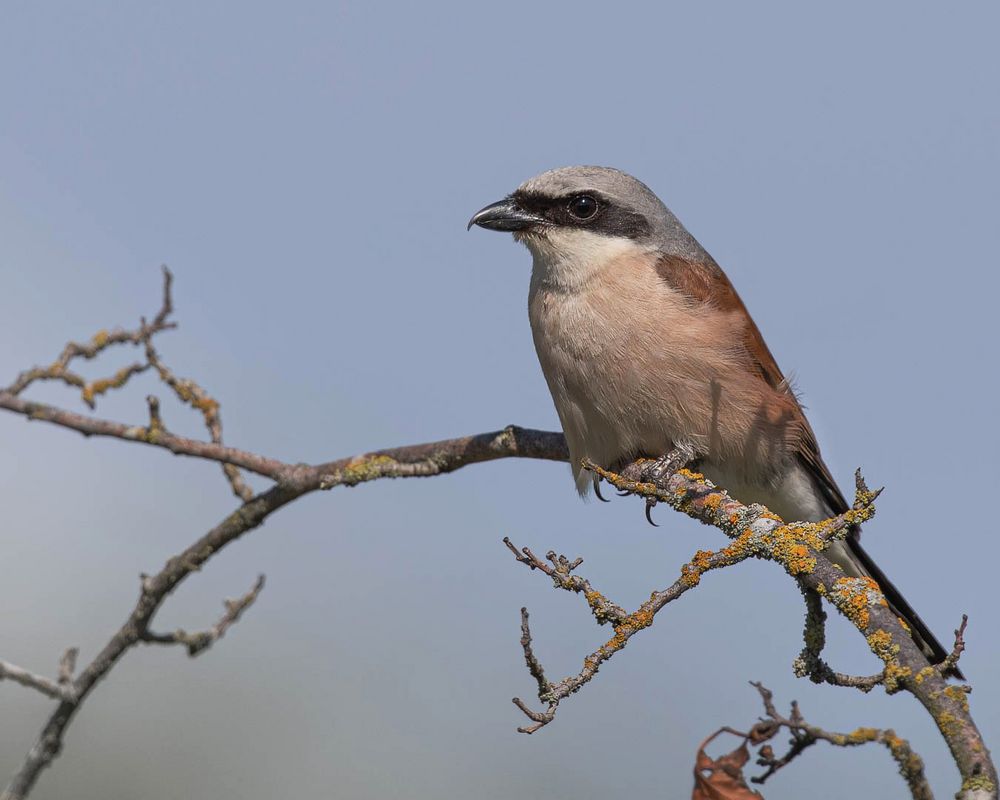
505, 215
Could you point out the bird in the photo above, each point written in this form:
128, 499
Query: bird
648, 350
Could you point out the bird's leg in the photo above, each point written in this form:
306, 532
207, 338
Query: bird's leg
661, 468
657, 470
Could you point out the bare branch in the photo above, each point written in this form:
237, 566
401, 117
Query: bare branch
189, 392
951, 661
201, 640
534, 665
67, 665
49, 688
99, 342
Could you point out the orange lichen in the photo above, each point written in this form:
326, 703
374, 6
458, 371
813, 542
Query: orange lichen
855, 596
692, 571
712, 502
642, 618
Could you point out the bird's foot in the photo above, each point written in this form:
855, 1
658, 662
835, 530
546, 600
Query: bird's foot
657, 471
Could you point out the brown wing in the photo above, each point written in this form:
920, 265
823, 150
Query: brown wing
705, 282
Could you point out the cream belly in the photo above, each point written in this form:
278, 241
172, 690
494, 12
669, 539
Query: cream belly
634, 368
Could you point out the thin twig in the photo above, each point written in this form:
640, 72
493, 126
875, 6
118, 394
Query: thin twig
67, 665
625, 625
804, 735
200, 641
50, 688
59, 369
188, 391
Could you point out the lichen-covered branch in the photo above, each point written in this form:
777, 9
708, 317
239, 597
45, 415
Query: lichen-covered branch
804, 735
798, 548
747, 543
810, 662
189, 392
59, 370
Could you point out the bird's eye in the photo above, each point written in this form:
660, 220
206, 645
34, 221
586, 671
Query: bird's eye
583, 206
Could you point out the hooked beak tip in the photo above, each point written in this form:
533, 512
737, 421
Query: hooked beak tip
504, 215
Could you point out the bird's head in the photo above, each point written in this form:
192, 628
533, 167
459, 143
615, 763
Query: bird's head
585, 216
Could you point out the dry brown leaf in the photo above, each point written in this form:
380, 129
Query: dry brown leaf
722, 778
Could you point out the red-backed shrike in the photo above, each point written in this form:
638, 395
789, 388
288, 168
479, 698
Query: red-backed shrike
647, 349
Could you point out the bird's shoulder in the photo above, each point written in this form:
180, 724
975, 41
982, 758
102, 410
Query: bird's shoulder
704, 282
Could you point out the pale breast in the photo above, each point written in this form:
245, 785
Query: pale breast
636, 368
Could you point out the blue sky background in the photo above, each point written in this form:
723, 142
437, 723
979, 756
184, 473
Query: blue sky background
307, 171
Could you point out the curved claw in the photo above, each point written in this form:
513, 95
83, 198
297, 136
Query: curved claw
597, 490
650, 503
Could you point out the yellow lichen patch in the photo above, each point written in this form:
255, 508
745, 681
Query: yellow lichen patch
882, 645
802, 532
366, 469
980, 783
100, 338
902, 623
895, 676
957, 693
690, 475
862, 735
100, 386
948, 723
599, 605
926, 672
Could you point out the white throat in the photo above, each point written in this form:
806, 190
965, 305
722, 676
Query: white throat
565, 260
